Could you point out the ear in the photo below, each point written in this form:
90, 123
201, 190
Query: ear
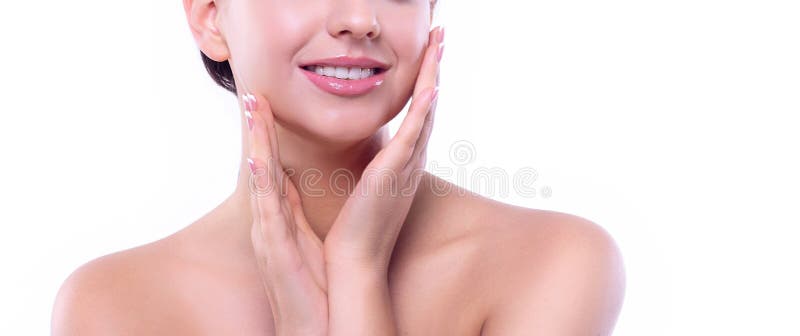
202, 17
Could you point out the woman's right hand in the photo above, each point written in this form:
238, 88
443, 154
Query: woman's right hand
289, 253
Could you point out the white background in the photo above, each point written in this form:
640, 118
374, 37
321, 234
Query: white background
672, 124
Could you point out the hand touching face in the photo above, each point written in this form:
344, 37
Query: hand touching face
366, 229
267, 41
294, 263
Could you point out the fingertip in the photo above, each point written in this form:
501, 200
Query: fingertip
250, 102
251, 164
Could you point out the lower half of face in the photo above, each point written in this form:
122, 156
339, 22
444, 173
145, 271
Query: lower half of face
301, 104
280, 38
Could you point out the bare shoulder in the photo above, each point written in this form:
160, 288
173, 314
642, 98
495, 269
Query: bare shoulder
127, 291
553, 273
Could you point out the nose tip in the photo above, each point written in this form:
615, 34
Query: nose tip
357, 20
359, 34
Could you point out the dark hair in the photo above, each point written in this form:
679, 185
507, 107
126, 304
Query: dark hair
220, 72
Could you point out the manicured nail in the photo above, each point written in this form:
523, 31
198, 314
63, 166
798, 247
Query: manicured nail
249, 117
252, 165
249, 102
439, 55
441, 34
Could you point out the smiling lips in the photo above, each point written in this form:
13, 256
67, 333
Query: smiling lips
345, 87
345, 76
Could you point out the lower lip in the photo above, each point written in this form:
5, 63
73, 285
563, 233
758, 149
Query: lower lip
345, 87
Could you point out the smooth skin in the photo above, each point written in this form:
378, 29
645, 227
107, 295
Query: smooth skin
273, 259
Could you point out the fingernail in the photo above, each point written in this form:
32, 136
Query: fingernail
435, 95
249, 117
441, 34
249, 102
439, 55
251, 164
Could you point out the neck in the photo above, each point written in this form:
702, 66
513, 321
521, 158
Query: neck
311, 164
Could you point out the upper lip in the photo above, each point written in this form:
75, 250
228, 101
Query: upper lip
348, 62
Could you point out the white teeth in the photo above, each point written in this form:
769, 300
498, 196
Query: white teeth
342, 72
355, 73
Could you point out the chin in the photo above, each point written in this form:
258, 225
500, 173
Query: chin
334, 126
347, 129
334, 120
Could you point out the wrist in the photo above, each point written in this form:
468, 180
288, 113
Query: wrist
359, 259
356, 265
360, 301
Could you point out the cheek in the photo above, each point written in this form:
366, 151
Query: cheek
409, 53
270, 34
407, 31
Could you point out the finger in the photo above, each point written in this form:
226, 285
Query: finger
428, 79
404, 142
427, 128
257, 104
294, 206
430, 62
422, 143
277, 254
275, 258
264, 189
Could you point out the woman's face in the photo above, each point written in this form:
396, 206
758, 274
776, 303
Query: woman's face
268, 40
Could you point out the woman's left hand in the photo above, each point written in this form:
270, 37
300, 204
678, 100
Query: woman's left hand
364, 233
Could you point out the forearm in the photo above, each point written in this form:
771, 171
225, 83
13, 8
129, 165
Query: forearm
359, 302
